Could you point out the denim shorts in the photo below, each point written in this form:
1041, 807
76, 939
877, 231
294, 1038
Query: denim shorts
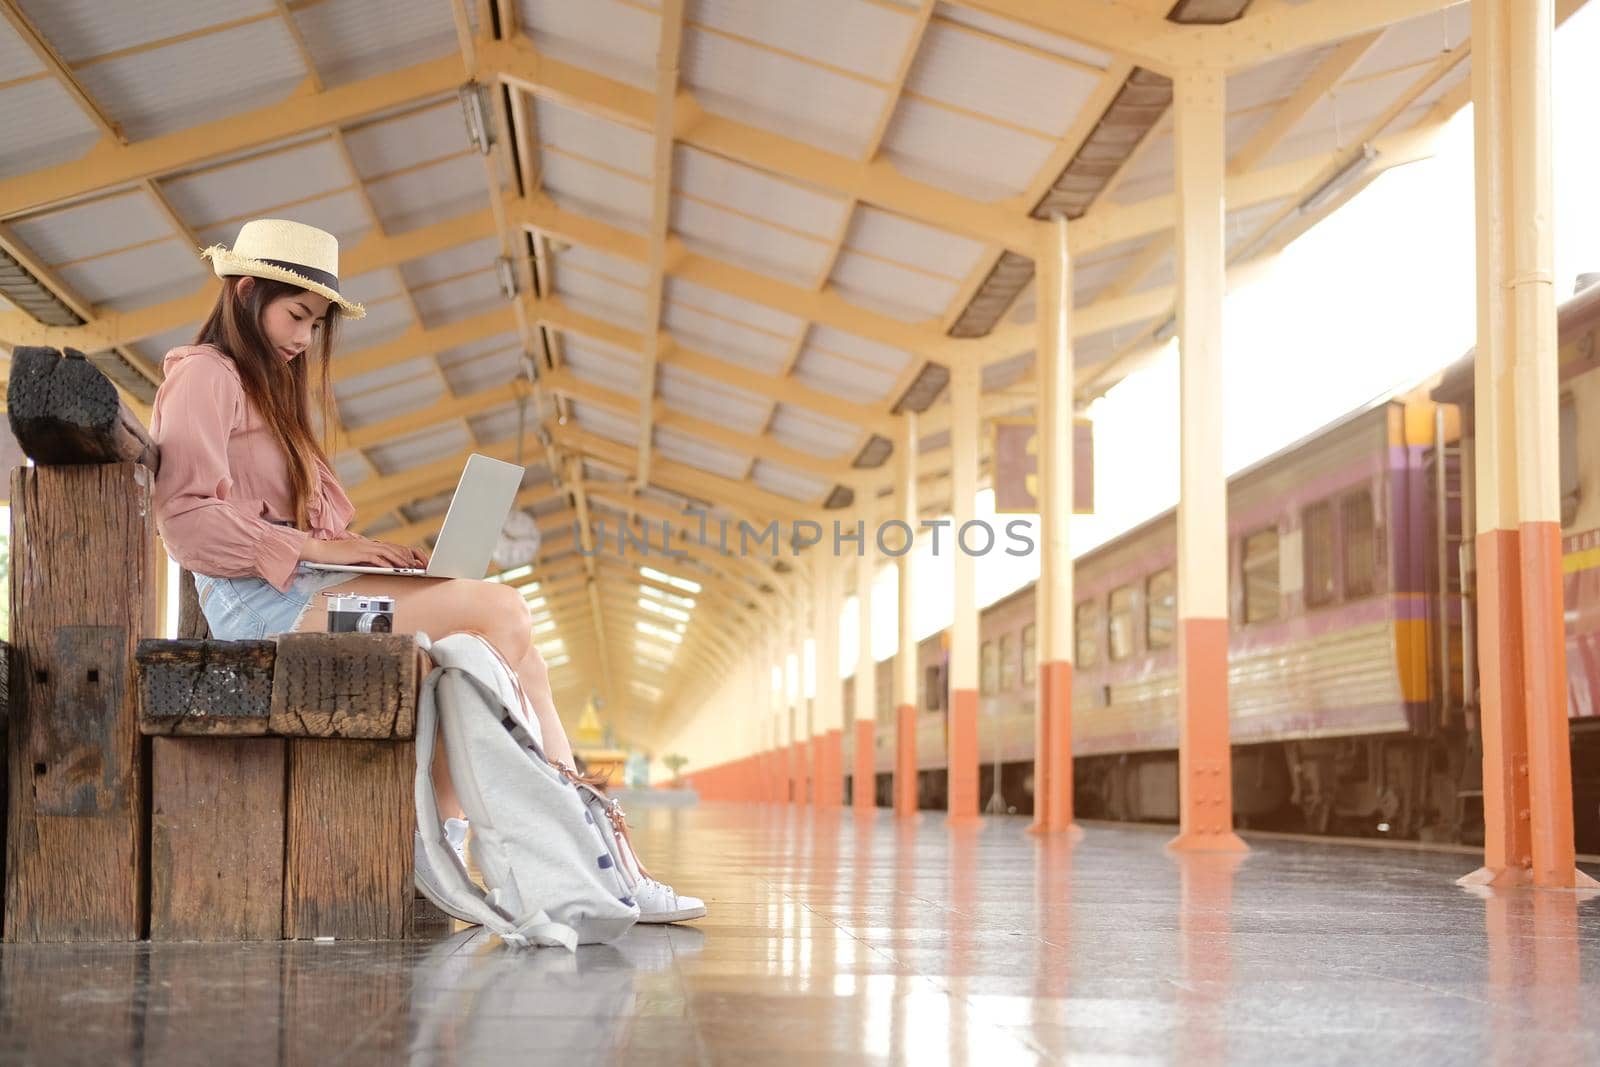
249, 609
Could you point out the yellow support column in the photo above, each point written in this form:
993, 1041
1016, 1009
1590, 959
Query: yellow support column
1527, 774
864, 775
1052, 774
1205, 783
963, 704
905, 657
800, 721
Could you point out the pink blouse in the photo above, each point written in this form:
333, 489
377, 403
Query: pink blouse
224, 485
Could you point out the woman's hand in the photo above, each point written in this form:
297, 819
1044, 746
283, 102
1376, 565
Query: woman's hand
361, 552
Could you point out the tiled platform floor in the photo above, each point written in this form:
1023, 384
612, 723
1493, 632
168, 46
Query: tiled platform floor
837, 941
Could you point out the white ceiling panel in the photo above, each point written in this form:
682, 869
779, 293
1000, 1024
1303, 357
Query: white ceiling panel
629, 273
415, 449
749, 242
155, 349
963, 154
485, 370
1416, 41
138, 277
725, 338
92, 228
899, 292
722, 304
384, 320
347, 43
452, 262
17, 60
1017, 31
222, 74
401, 141
400, 398
608, 36
871, 354
594, 191
579, 133
384, 378
602, 365
1269, 82
342, 214
705, 398
785, 482
81, 29
1338, 120
863, 38
751, 192
43, 127
806, 431
992, 77
894, 237
680, 447
501, 424
605, 422
429, 194
458, 298
781, 94
596, 295
245, 187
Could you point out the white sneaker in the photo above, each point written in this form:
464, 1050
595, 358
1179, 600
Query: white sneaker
455, 832
660, 903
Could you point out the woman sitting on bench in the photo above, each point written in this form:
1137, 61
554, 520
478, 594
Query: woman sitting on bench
246, 495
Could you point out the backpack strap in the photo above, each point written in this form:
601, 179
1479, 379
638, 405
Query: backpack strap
450, 888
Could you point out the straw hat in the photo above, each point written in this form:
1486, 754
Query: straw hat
285, 251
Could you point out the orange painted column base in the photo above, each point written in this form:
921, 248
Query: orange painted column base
828, 792
905, 761
1205, 763
963, 763
864, 776
798, 793
1055, 691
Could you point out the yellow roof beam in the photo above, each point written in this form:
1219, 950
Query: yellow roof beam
569, 384
518, 62
372, 252
109, 164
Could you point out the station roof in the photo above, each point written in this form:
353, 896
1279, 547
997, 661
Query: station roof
732, 242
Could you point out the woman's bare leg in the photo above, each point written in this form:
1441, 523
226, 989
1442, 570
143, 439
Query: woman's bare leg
438, 606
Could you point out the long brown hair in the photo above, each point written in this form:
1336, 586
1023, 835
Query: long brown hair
279, 389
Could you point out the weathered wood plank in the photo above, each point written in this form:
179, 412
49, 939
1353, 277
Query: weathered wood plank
76, 820
346, 685
192, 622
206, 688
63, 410
347, 873
217, 838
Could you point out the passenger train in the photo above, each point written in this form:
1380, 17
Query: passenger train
1352, 660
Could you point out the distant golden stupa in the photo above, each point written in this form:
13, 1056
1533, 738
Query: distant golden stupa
591, 743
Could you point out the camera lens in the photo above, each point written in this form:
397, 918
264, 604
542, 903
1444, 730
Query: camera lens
374, 622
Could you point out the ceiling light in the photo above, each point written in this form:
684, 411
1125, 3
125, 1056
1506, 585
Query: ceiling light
475, 112
506, 271
1342, 179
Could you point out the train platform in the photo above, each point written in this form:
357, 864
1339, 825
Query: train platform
834, 939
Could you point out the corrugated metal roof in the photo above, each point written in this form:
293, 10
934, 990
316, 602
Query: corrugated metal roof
43, 128
617, 39
962, 153
347, 43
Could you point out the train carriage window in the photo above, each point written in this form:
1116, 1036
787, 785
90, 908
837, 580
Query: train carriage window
1086, 625
1569, 459
989, 669
1321, 587
1360, 545
1030, 654
1008, 662
1260, 568
1160, 609
1119, 623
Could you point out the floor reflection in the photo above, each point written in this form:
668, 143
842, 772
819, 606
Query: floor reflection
837, 938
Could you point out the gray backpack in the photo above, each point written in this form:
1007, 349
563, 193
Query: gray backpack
545, 843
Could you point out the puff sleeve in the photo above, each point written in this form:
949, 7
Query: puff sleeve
199, 405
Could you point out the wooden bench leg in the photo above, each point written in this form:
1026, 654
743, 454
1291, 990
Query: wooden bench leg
350, 821
216, 839
82, 558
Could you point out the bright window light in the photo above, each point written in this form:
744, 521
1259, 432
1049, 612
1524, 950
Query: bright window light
661, 609
653, 650
649, 664
557, 661
670, 579
649, 692
544, 626
552, 648
659, 632
535, 601
666, 597
511, 575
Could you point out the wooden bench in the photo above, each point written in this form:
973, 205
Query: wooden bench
190, 789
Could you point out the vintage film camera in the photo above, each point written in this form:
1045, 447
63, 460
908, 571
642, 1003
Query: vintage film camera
351, 613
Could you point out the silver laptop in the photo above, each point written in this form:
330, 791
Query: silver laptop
477, 513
